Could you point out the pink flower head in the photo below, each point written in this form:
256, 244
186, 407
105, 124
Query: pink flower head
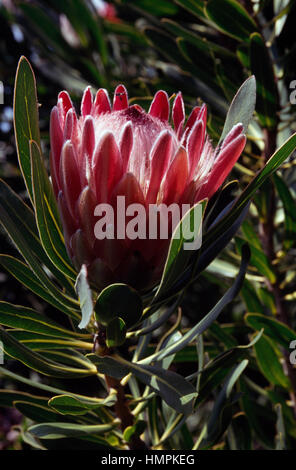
120, 150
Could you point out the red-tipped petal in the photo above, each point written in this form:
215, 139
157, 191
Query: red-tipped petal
235, 131
85, 207
69, 177
106, 166
195, 144
56, 142
87, 148
102, 103
160, 157
120, 100
126, 144
160, 106
86, 102
64, 104
192, 118
178, 112
199, 113
202, 115
69, 122
176, 177
222, 166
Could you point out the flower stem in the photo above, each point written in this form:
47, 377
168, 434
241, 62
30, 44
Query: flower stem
121, 407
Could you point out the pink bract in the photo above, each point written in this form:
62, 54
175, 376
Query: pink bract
117, 149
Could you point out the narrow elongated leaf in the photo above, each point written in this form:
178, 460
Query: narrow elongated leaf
4, 372
26, 124
61, 430
196, 7
37, 362
68, 405
231, 18
172, 387
27, 278
269, 363
280, 427
36, 412
16, 316
41, 342
216, 424
8, 397
274, 329
186, 239
242, 107
209, 318
19, 222
200, 42
48, 222
259, 260
216, 370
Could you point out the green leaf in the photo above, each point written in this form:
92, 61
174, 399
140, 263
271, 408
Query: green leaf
259, 260
61, 430
261, 67
69, 405
231, 18
231, 216
186, 239
280, 438
201, 43
36, 412
269, 363
216, 370
251, 299
274, 329
37, 362
26, 277
18, 221
289, 209
47, 217
41, 342
8, 397
172, 387
208, 319
116, 332
196, 7
241, 108
85, 297
136, 430
4, 372
159, 8
219, 418
261, 417
16, 316
118, 300
26, 124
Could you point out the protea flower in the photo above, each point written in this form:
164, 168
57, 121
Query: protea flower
121, 150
